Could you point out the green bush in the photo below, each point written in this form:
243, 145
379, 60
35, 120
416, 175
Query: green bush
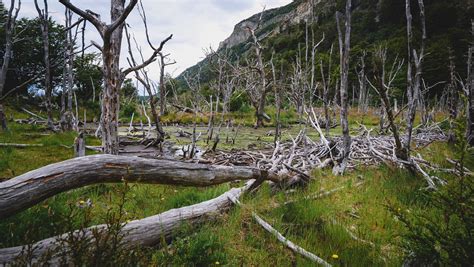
128, 109
443, 233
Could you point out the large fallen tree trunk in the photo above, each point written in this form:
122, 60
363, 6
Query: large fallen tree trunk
26, 190
149, 231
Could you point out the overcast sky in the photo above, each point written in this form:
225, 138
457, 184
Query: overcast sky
196, 24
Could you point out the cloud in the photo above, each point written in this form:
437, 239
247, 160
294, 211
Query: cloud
196, 24
232, 5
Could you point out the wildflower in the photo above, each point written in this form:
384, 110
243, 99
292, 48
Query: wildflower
399, 209
82, 202
176, 191
162, 198
217, 263
335, 256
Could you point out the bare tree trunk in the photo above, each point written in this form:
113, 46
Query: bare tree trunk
277, 92
263, 86
470, 95
111, 35
363, 101
416, 60
344, 51
43, 15
113, 78
383, 89
9, 30
326, 88
163, 92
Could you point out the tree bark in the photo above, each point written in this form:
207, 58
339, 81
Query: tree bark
470, 96
30, 188
43, 15
146, 232
9, 29
344, 49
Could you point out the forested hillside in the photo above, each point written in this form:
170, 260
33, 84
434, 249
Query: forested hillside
376, 23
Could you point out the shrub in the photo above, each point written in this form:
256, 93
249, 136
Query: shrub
128, 109
443, 234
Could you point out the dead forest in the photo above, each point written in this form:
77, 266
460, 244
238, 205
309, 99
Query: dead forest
368, 155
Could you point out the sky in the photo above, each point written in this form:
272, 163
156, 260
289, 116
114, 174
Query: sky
195, 24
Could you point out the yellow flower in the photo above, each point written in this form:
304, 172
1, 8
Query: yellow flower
335, 256
399, 209
81, 202
217, 263
162, 198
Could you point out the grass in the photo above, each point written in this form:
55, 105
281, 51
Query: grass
320, 226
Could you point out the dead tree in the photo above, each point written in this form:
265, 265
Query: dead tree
278, 96
384, 80
298, 86
142, 76
468, 89
344, 52
67, 120
261, 88
111, 35
43, 15
364, 98
415, 60
7, 55
326, 82
452, 99
164, 62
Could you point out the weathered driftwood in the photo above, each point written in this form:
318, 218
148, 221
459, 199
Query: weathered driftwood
30, 188
149, 231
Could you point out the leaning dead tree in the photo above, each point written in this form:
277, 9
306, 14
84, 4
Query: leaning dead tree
344, 53
26, 190
384, 79
141, 74
111, 35
7, 54
164, 62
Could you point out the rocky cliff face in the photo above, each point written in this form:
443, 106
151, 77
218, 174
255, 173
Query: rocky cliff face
273, 22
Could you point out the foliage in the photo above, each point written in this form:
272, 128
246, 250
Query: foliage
446, 235
88, 76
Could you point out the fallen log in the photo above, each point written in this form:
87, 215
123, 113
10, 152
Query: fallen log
26, 190
146, 232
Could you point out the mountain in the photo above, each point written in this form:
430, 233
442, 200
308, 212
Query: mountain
375, 22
